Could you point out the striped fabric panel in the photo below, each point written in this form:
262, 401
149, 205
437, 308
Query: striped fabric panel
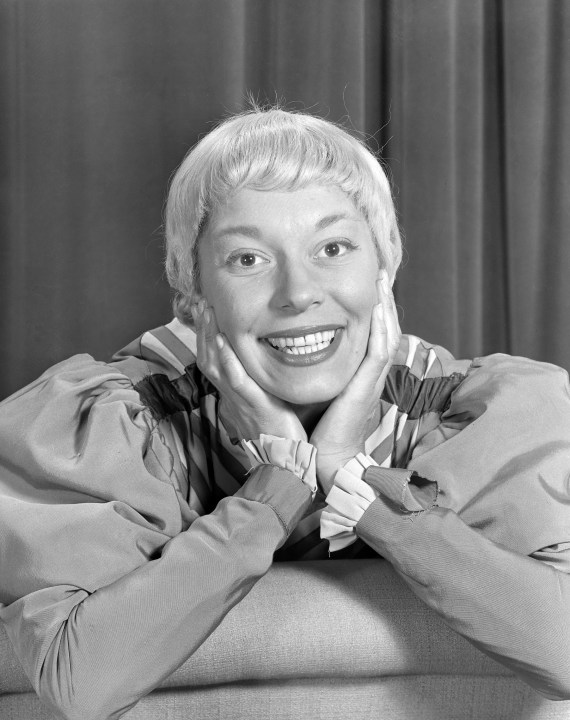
417, 390
381, 443
181, 423
179, 340
160, 353
200, 493
309, 547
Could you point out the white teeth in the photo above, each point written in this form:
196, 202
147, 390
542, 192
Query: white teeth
306, 349
303, 345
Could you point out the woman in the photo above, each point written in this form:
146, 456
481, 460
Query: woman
143, 498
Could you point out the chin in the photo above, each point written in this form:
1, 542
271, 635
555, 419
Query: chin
312, 396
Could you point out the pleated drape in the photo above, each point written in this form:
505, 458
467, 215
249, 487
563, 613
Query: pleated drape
480, 151
467, 101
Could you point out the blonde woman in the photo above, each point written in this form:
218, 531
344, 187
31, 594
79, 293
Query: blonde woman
280, 415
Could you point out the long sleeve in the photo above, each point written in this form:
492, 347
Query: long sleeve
108, 583
514, 608
492, 556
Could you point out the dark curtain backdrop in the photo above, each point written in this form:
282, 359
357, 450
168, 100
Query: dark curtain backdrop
467, 100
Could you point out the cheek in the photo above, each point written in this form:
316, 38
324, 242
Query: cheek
359, 299
359, 295
234, 311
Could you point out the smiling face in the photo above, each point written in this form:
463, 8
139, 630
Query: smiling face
286, 273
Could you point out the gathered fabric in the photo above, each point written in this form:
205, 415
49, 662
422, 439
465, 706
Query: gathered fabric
297, 456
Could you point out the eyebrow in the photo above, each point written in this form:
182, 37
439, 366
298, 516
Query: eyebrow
253, 231
249, 230
324, 222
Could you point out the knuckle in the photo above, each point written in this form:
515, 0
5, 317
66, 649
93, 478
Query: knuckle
236, 384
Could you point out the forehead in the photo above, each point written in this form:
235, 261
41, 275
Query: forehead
312, 208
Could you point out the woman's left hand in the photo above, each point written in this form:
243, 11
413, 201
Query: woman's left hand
352, 416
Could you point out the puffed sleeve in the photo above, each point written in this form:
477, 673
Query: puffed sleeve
108, 581
492, 555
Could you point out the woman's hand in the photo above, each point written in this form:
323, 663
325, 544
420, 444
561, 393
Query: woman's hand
352, 416
247, 410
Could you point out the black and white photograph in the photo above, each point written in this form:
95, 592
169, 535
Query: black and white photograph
284, 395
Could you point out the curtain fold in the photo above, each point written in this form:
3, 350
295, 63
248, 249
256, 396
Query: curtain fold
468, 103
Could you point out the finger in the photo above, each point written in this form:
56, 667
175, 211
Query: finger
387, 293
207, 353
211, 353
376, 358
210, 324
198, 315
379, 338
395, 311
384, 337
222, 364
235, 374
390, 316
230, 363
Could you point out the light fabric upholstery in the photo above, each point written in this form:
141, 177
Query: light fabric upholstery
324, 639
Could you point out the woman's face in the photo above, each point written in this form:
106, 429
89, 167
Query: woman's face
286, 273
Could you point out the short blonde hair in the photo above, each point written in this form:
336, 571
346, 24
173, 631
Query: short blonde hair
271, 149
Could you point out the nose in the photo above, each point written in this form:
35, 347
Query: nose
297, 289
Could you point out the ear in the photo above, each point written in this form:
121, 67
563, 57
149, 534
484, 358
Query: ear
195, 298
182, 305
383, 274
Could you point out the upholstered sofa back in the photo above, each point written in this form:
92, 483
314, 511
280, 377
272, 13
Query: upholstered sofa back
327, 639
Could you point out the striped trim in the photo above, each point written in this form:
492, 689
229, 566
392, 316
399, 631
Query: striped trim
151, 342
186, 338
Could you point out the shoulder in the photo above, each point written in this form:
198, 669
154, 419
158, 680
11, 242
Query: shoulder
87, 432
164, 352
424, 366
168, 350
501, 451
518, 380
161, 364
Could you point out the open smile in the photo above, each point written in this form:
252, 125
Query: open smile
303, 344
305, 349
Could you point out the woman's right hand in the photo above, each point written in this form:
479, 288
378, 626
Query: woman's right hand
246, 409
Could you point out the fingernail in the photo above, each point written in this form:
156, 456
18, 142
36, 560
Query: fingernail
220, 341
207, 316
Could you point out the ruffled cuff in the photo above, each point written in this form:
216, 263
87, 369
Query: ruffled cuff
347, 501
356, 487
297, 456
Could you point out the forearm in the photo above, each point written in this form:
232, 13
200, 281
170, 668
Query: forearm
514, 608
119, 642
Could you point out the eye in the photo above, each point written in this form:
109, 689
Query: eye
245, 260
336, 248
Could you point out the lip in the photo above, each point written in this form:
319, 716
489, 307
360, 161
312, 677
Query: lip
305, 360
300, 331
